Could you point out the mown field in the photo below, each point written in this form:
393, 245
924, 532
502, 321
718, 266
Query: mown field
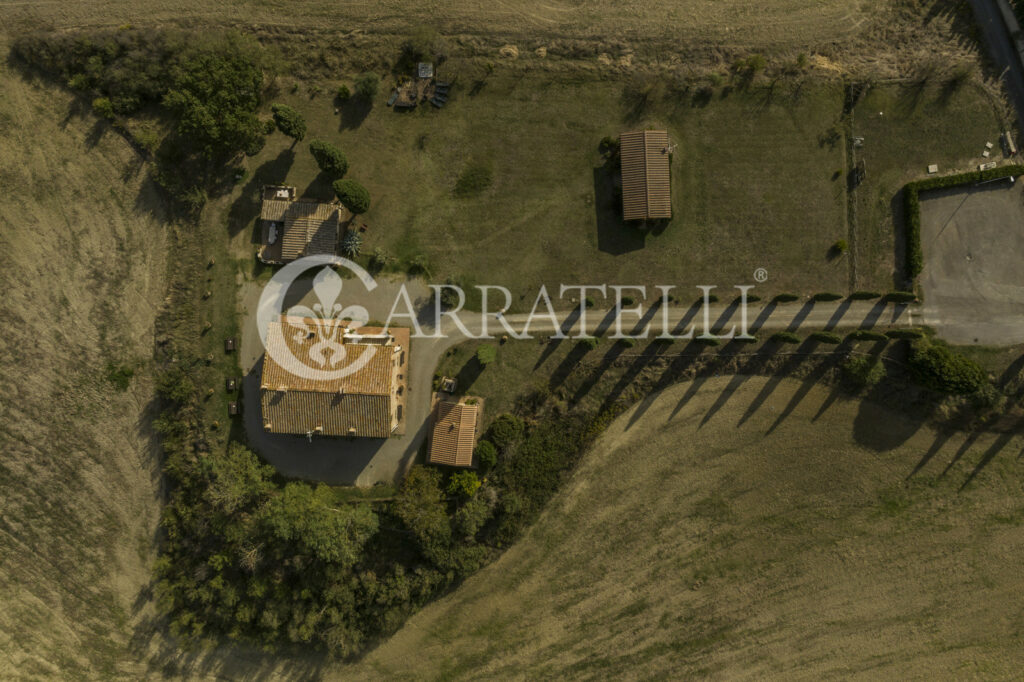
748, 530
82, 258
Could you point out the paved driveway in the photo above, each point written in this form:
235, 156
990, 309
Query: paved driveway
973, 278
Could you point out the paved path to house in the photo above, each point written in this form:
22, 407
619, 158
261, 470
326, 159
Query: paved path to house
364, 462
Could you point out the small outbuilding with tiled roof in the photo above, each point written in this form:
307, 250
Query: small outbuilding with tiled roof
293, 228
646, 182
455, 424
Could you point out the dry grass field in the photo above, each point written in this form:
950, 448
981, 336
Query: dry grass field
81, 270
747, 532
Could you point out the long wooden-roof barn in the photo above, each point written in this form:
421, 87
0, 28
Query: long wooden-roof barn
366, 402
646, 185
454, 435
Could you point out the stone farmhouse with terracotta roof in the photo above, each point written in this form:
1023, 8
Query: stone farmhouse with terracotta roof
454, 433
298, 396
292, 228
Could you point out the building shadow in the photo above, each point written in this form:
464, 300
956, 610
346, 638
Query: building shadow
613, 235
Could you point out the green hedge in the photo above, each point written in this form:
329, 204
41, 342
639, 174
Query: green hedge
940, 368
913, 256
826, 296
866, 335
785, 337
865, 295
905, 333
827, 337
785, 298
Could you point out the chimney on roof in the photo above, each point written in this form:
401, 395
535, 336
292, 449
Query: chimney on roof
352, 431
266, 426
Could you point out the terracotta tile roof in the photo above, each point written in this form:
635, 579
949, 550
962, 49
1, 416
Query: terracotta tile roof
309, 227
646, 185
454, 433
364, 400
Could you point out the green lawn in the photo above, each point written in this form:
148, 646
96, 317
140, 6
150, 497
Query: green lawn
752, 182
905, 129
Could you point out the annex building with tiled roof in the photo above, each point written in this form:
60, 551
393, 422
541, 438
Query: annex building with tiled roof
646, 181
292, 228
299, 396
454, 432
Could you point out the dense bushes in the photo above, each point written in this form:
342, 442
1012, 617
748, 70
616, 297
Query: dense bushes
826, 337
207, 87
936, 366
784, 337
785, 298
352, 195
864, 295
826, 296
866, 335
913, 256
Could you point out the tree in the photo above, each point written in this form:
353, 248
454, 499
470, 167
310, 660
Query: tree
103, 108
471, 517
329, 158
421, 507
289, 121
486, 354
463, 484
506, 430
352, 195
487, 455
367, 85
303, 518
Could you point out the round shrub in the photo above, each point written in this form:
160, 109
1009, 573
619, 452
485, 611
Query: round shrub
588, 342
463, 484
352, 195
707, 341
367, 85
289, 121
940, 368
329, 158
343, 94
506, 430
486, 455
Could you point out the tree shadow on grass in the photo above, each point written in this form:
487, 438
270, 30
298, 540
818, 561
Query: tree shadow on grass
243, 212
469, 373
320, 187
354, 112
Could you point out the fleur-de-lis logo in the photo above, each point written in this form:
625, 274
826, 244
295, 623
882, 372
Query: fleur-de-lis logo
326, 321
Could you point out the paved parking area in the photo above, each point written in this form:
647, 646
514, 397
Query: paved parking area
973, 279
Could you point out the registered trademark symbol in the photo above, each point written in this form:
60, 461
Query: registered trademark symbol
761, 275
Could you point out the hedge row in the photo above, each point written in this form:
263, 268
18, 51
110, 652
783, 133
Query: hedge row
913, 256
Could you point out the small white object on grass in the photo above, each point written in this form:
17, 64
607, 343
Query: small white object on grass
934, 168
988, 145
986, 153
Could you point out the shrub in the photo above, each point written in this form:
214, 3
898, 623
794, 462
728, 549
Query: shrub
784, 337
588, 342
486, 455
826, 296
865, 295
463, 484
473, 180
864, 370
626, 341
343, 94
120, 376
901, 297
352, 195
367, 85
866, 335
103, 108
486, 354
707, 341
352, 244
940, 368
329, 158
905, 333
505, 431
628, 300
826, 337
380, 259
289, 121
785, 298
840, 247
589, 301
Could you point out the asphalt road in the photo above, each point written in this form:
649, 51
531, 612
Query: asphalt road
364, 462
